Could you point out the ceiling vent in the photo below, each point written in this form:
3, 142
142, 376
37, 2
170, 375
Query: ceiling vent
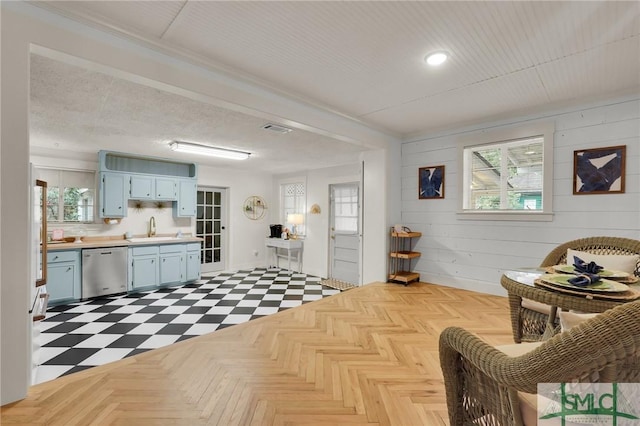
276, 128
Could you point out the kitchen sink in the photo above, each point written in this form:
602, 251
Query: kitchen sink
151, 239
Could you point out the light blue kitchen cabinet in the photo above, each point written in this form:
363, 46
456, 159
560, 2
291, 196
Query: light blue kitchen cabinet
165, 189
141, 187
144, 267
113, 195
193, 261
63, 276
173, 268
127, 177
186, 204
147, 187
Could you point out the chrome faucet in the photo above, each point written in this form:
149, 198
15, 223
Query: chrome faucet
152, 226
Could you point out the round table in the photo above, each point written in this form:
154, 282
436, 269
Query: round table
520, 285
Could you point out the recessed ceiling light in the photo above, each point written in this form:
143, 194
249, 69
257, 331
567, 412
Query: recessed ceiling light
211, 151
436, 58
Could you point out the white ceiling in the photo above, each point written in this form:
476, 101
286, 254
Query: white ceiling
360, 59
75, 112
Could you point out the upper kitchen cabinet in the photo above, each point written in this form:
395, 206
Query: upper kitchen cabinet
141, 187
186, 205
147, 187
113, 195
145, 178
166, 189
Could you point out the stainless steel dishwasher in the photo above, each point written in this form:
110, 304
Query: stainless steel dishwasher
104, 271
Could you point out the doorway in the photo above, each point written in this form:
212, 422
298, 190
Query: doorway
344, 238
210, 226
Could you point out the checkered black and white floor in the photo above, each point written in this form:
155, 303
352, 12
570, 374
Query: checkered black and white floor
81, 335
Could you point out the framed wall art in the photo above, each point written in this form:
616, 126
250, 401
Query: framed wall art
599, 170
430, 182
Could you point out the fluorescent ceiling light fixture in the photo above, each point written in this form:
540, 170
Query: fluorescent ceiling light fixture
436, 58
193, 148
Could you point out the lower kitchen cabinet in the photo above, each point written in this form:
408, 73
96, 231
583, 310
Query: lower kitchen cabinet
193, 261
148, 267
173, 267
165, 264
144, 267
64, 276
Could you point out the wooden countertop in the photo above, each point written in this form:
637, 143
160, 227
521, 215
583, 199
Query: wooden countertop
116, 241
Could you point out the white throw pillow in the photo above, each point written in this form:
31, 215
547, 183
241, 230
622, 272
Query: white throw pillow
613, 262
569, 319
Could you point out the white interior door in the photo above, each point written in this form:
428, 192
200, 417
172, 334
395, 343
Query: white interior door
344, 225
210, 226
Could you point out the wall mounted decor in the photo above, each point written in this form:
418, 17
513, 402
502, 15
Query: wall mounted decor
315, 209
599, 170
138, 206
254, 207
431, 182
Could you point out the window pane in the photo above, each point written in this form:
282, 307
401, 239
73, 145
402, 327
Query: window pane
78, 205
486, 200
506, 175
52, 203
70, 195
293, 201
345, 201
485, 168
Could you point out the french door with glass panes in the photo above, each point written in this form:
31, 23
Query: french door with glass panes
210, 226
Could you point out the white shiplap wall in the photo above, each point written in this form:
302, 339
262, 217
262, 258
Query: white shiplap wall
473, 254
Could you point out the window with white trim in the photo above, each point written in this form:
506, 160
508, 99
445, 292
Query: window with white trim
510, 176
293, 202
70, 195
345, 204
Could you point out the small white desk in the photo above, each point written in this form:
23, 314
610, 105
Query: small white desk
288, 245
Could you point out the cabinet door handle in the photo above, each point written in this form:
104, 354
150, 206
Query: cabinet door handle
152, 260
119, 207
164, 260
69, 268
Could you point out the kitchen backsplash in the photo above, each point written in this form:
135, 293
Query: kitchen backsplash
136, 222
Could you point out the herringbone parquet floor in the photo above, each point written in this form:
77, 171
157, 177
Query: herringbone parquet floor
368, 356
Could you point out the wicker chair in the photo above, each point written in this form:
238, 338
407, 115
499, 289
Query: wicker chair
529, 324
485, 386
